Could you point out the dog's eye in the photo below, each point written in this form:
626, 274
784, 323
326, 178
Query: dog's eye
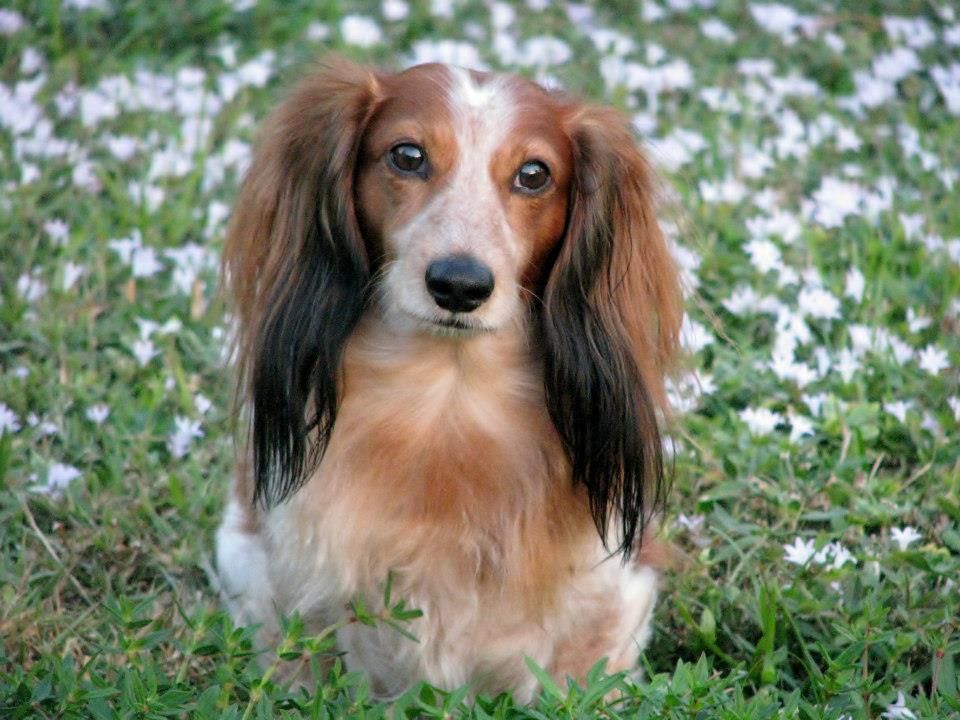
532, 176
408, 158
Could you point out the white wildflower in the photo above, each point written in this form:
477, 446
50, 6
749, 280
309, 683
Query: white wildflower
898, 408
760, 421
743, 300
854, 284
10, 22
71, 273
185, 432
898, 710
59, 476
144, 262
933, 360
819, 303
912, 224
947, 79
800, 426
9, 422
834, 201
318, 31
896, 65
764, 255
716, 29
913, 31
905, 537
144, 351
98, 414
361, 31
202, 403
694, 336
847, 365
57, 230
800, 552
954, 403
693, 524
917, 322
395, 10
30, 287
451, 52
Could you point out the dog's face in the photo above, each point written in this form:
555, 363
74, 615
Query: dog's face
455, 203
462, 189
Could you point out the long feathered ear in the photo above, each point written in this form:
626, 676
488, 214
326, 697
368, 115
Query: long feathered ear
298, 272
610, 323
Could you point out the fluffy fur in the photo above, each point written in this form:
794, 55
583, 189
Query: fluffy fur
505, 463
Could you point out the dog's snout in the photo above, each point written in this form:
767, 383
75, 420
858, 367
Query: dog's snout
459, 283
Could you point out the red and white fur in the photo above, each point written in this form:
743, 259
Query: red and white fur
501, 461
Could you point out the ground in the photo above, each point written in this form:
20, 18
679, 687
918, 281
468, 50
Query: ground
811, 156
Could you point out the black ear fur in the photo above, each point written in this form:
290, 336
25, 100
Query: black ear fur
318, 281
595, 389
298, 364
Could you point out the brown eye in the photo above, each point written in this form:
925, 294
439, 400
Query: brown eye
408, 158
532, 176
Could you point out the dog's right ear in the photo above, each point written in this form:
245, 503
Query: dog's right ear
298, 271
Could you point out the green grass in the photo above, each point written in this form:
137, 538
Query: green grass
106, 609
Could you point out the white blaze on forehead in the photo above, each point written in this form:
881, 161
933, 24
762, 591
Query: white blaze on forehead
483, 114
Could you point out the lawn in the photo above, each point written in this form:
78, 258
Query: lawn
812, 152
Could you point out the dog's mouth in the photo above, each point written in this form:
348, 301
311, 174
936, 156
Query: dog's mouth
452, 325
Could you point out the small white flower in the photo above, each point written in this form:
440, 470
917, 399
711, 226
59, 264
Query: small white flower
71, 273
716, 29
30, 287
45, 428
9, 422
800, 552
97, 414
854, 284
764, 255
932, 359
917, 322
144, 262
954, 403
10, 22
202, 403
744, 300
185, 432
819, 303
691, 523
912, 225
360, 30
905, 537
318, 31
800, 426
898, 710
898, 409
57, 230
839, 555
694, 336
395, 10
59, 476
847, 365
760, 421
144, 351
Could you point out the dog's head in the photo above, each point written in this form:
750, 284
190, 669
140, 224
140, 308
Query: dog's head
457, 203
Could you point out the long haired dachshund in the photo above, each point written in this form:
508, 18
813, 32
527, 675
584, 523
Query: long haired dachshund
455, 313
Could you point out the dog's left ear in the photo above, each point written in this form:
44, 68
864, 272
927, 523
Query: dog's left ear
610, 324
298, 271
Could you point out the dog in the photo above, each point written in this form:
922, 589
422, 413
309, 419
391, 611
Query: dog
455, 312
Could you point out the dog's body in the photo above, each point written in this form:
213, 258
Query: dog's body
482, 453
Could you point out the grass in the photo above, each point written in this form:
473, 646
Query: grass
820, 238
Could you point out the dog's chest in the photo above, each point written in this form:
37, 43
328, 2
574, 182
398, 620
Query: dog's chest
446, 474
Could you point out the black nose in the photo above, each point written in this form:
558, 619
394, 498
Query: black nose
459, 283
